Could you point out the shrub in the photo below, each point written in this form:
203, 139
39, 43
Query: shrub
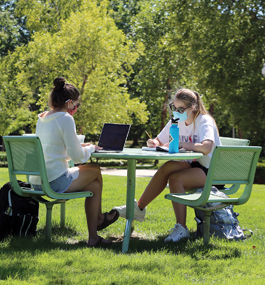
260, 175
3, 159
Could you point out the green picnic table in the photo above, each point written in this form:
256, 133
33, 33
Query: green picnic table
132, 154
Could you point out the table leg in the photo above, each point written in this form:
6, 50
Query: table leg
131, 169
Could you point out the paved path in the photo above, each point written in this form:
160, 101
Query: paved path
123, 172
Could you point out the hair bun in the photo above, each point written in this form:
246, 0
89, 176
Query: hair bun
59, 83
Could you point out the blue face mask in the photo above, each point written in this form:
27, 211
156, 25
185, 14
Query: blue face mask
182, 117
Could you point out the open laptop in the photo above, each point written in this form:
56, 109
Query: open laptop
113, 137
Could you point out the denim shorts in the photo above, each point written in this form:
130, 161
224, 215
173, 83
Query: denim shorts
60, 184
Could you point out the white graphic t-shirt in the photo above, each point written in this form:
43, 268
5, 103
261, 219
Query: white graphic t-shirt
204, 129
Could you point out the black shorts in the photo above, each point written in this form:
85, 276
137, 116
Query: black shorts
196, 164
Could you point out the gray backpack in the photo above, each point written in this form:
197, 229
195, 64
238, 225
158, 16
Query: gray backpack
223, 222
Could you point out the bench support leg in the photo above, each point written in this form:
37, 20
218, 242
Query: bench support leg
62, 215
49, 221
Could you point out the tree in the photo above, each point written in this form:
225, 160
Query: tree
14, 111
12, 28
226, 42
43, 15
90, 52
162, 67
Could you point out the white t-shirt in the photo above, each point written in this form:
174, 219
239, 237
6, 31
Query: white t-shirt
57, 133
205, 129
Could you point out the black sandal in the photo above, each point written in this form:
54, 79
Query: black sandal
101, 243
107, 222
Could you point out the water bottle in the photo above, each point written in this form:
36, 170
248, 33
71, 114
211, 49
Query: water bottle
174, 136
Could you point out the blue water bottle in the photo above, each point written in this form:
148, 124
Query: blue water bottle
174, 136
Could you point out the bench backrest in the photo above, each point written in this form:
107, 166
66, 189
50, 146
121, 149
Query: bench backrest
232, 165
234, 141
25, 157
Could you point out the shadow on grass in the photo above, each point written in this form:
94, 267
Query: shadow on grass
192, 247
40, 243
216, 250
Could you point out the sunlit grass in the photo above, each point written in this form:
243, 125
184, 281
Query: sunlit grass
67, 260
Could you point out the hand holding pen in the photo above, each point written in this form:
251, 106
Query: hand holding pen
150, 142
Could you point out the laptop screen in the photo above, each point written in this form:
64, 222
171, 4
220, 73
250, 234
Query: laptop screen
113, 136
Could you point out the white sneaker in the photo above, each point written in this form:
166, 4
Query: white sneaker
138, 214
178, 232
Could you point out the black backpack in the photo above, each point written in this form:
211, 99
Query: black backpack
18, 215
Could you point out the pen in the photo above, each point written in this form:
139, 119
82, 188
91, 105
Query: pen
148, 135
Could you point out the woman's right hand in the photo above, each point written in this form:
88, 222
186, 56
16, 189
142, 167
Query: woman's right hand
96, 147
85, 144
151, 143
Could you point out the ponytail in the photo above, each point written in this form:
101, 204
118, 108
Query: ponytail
199, 106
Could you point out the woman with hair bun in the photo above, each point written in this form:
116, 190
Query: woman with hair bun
57, 132
197, 132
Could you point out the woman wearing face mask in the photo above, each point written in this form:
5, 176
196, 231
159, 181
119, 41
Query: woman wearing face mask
57, 132
197, 132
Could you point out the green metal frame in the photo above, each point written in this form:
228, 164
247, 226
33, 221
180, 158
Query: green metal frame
25, 157
234, 165
226, 141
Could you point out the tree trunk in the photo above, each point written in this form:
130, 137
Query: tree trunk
164, 109
239, 132
135, 141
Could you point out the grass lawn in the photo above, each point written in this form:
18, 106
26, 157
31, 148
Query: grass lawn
67, 260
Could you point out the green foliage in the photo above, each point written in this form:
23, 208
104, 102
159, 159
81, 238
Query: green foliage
46, 15
164, 62
91, 53
3, 159
226, 45
213, 47
14, 111
12, 28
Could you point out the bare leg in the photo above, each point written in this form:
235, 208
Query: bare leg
87, 174
90, 179
181, 181
159, 181
92, 205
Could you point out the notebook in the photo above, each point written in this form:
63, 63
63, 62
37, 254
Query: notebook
163, 148
113, 137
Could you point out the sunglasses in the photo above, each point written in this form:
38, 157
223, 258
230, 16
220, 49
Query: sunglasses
179, 109
75, 104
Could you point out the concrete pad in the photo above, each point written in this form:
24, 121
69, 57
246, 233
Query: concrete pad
123, 172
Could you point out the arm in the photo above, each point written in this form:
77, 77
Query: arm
204, 147
89, 144
77, 152
204, 140
162, 138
